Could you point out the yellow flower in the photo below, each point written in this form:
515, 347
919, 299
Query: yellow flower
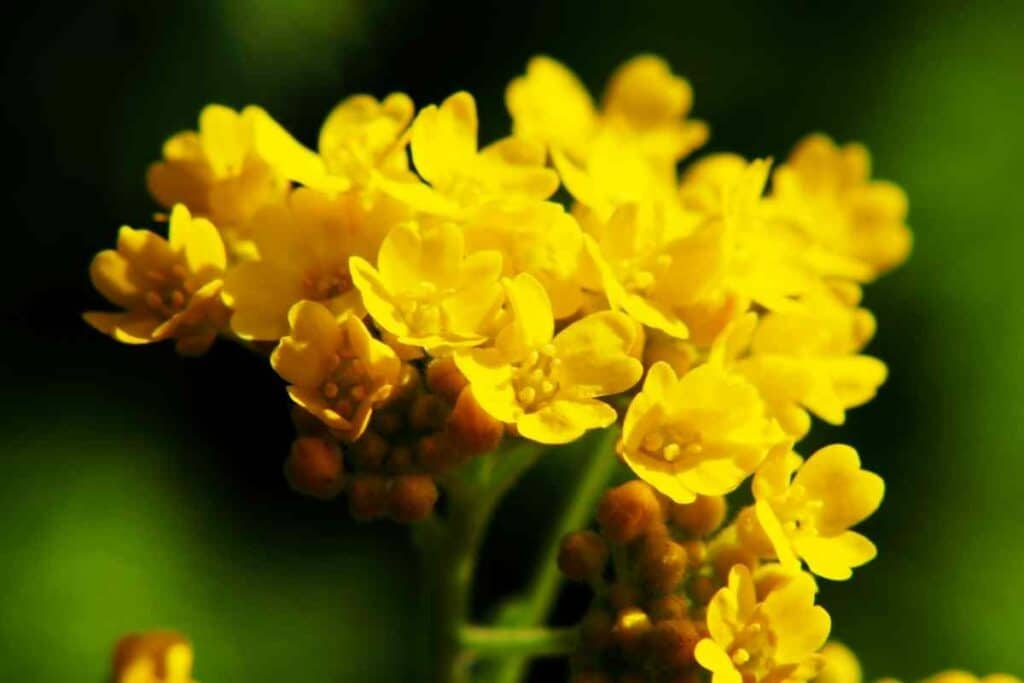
168, 288
548, 384
825, 191
153, 657
443, 142
754, 638
337, 370
957, 676
303, 247
702, 433
538, 238
216, 171
838, 665
426, 290
809, 515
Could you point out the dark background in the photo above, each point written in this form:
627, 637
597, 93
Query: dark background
140, 490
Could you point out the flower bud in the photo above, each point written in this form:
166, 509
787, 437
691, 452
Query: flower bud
703, 589
596, 630
445, 380
728, 557
315, 467
622, 595
631, 625
628, 511
701, 517
428, 413
672, 643
412, 498
369, 452
306, 423
751, 535
661, 563
471, 429
671, 606
435, 453
399, 459
582, 556
368, 496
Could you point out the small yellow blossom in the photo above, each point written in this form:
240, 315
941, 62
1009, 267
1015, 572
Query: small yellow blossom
702, 433
153, 657
336, 370
754, 638
216, 171
826, 192
957, 676
808, 515
444, 147
303, 248
170, 289
548, 384
838, 665
426, 290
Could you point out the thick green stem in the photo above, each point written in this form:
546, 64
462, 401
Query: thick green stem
497, 642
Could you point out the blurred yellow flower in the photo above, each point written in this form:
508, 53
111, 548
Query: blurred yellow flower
217, 172
826, 192
702, 433
808, 515
548, 384
302, 249
838, 665
426, 290
957, 676
772, 637
336, 370
153, 657
169, 288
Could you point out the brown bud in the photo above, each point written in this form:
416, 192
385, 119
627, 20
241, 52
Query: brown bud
369, 452
388, 422
701, 517
669, 607
400, 459
412, 498
428, 413
315, 467
627, 511
728, 557
368, 496
703, 589
435, 453
596, 630
582, 556
471, 429
662, 564
444, 379
696, 552
672, 643
631, 625
751, 534
306, 423
622, 595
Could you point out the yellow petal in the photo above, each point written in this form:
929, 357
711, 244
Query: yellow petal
562, 421
135, 327
376, 297
834, 557
712, 657
851, 494
490, 376
290, 158
444, 141
225, 139
594, 354
531, 309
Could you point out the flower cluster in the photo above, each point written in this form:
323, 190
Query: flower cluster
424, 298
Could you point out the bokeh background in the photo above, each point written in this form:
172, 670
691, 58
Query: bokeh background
139, 490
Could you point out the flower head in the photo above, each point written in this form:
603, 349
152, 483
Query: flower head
702, 433
336, 370
768, 637
426, 290
170, 289
548, 384
303, 247
808, 514
153, 657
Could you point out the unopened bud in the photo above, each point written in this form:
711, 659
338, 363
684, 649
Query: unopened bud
582, 556
672, 643
662, 564
428, 413
435, 453
752, 535
728, 557
701, 517
369, 452
596, 630
445, 380
669, 607
471, 429
399, 459
315, 467
631, 625
703, 589
306, 423
368, 496
412, 498
628, 511
622, 595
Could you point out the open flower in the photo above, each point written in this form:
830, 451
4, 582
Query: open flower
303, 249
168, 288
337, 370
426, 291
772, 637
809, 515
217, 172
547, 384
702, 433
444, 147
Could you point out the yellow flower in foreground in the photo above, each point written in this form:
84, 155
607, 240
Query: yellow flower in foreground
702, 433
426, 291
445, 151
838, 665
957, 676
216, 171
548, 384
826, 192
361, 141
337, 370
168, 288
809, 515
153, 657
303, 249
771, 638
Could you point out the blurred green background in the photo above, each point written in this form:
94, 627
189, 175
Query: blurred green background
139, 490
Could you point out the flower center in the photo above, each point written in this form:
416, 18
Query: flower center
535, 380
676, 445
169, 293
324, 286
348, 384
754, 648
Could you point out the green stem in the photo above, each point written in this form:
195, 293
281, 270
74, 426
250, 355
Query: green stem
533, 608
497, 642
